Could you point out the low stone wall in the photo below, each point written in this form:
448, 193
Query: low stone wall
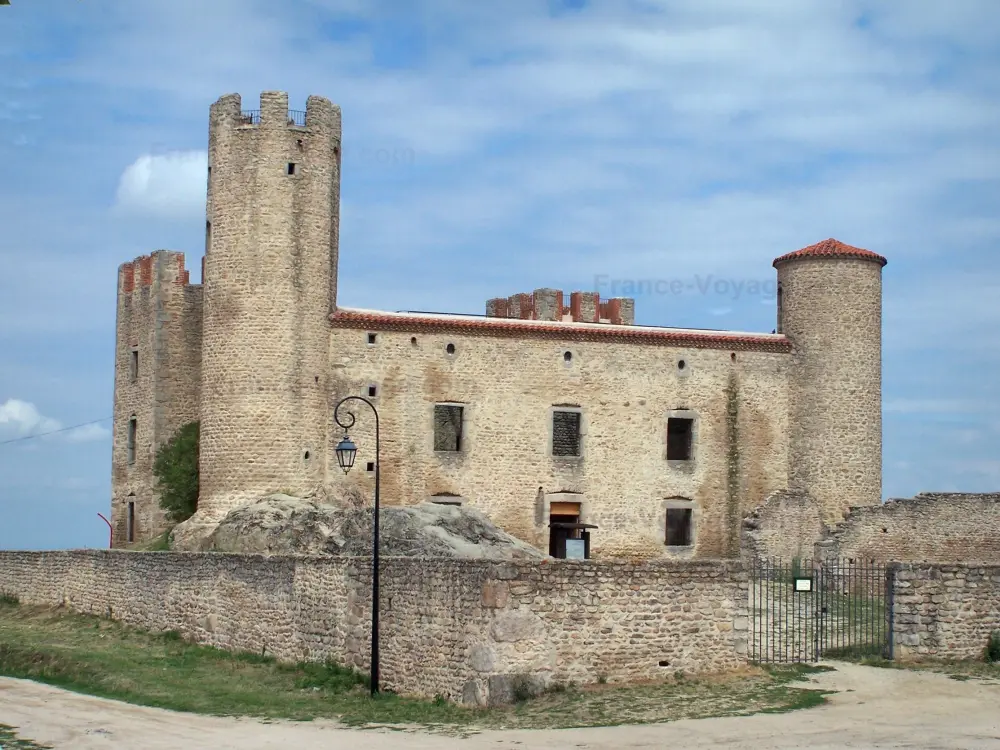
462, 629
930, 527
944, 611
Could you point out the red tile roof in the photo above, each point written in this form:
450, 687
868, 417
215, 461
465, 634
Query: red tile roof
600, 332
831, 248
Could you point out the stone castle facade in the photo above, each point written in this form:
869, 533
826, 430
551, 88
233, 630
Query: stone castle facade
551, 413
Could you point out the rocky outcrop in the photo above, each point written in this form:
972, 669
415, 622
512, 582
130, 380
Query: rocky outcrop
285, 525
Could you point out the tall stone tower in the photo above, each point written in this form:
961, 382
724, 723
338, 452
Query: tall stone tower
270, 277
830, 306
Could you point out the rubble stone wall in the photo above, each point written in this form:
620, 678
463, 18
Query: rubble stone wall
942, 527
944, 611
467, 630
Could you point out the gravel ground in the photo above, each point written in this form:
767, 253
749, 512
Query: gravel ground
872, 708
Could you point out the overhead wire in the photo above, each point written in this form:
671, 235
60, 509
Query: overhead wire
53, 432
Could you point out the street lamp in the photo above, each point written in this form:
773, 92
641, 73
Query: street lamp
346, 453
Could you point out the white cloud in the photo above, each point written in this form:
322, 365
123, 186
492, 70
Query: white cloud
168, 185
22, 419
88, 433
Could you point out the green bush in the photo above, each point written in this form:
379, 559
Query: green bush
176, 471
993, 648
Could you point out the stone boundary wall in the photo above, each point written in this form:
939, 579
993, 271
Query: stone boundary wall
930, 527
944, 611
458, 628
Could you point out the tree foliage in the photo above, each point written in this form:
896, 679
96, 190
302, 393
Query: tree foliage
176, 471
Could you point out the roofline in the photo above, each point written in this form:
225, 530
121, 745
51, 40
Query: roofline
377, 320
831, 248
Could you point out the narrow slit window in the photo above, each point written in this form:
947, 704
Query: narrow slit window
131, 440
448, 427
679, 527
133, 365
679, 438
565, 433
130, 523
291, 167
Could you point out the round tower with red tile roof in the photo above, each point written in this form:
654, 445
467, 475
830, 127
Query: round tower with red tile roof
830, 306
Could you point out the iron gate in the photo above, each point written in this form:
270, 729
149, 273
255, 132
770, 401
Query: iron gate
806, 610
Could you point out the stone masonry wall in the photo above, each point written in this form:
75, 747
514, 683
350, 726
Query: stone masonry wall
270, 285
931, 527
626, 391
553, 304
159, 319
831, 309
462, 629
786, 526
945, 611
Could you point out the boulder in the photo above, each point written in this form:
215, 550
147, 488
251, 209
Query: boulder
286, 525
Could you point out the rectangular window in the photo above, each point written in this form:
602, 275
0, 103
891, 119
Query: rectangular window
130, 523
679, 434
565, 433
448, 427
131, 440
678, 527
133, 365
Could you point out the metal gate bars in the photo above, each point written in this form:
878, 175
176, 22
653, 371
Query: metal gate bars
807, 610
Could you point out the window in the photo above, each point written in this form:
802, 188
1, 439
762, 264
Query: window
372, 339
133, 365
565, 433
130, 522
679, 433
372, 391
291, 167
448, 427
208, 237
678, 527
131, 439
780, 310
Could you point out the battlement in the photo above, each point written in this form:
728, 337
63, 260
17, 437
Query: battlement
166, 265
548, 304
274, 112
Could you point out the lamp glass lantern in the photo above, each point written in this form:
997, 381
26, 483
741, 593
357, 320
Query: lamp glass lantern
346, 453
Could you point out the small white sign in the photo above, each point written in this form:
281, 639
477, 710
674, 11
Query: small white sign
576, 549
803, 584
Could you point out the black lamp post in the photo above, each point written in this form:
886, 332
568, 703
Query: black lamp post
346, 452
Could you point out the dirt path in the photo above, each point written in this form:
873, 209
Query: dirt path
873, 708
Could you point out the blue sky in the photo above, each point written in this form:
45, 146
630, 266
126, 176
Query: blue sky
492, 148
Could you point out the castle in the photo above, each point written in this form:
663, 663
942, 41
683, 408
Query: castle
560, 419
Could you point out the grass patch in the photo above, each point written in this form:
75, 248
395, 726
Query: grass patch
104, 658
10, 741
160, 543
